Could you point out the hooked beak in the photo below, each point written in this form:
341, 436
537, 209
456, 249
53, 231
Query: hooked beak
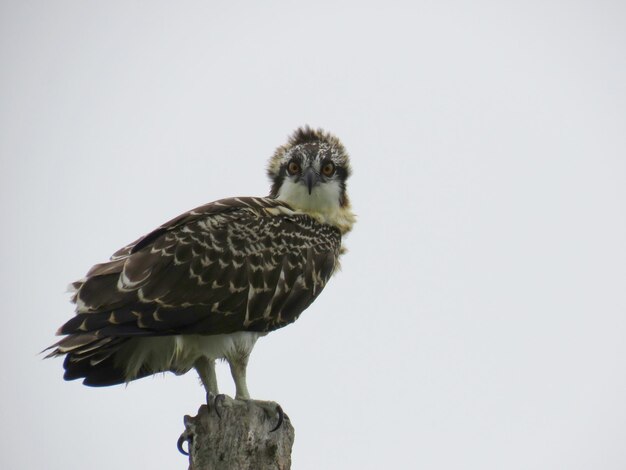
311, 178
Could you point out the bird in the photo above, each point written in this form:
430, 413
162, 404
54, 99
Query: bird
206, 285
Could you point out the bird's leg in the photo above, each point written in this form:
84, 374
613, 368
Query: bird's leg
238, 364
206, 370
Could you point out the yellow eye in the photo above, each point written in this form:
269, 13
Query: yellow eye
293, 168
328, 169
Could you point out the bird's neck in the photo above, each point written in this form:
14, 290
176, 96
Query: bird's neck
323, 204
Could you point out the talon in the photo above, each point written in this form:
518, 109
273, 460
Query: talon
281, 418
216, 402
184, 437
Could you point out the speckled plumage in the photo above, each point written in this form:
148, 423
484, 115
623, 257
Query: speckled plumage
208, 283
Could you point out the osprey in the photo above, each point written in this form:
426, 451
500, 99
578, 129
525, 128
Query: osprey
209, 283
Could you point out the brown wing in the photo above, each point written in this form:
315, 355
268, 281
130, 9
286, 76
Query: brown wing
232, 265
244, 264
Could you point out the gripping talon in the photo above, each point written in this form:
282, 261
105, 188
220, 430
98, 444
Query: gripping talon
184, 437
281, 418
216, 404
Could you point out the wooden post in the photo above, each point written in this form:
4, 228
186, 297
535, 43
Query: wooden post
239, 438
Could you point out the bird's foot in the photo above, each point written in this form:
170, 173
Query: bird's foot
214, 401
187, 437
217, 403
221, 403
272, 408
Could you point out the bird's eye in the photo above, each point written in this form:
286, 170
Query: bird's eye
293, 168
328, 169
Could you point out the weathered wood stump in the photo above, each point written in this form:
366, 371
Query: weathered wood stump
240, 437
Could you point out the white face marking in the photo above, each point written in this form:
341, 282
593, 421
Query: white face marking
324, 197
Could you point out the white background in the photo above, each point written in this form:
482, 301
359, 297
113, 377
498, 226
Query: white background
479, 320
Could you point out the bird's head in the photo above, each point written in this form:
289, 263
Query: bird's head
310, 171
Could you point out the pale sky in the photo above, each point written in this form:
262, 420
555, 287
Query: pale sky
479, 320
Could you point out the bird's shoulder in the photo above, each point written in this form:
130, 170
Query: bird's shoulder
251, 217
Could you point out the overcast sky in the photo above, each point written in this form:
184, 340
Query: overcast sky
479, 319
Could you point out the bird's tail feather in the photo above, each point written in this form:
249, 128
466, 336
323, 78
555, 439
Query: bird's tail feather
91, 358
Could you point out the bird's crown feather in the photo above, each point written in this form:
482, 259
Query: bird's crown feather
307, 135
